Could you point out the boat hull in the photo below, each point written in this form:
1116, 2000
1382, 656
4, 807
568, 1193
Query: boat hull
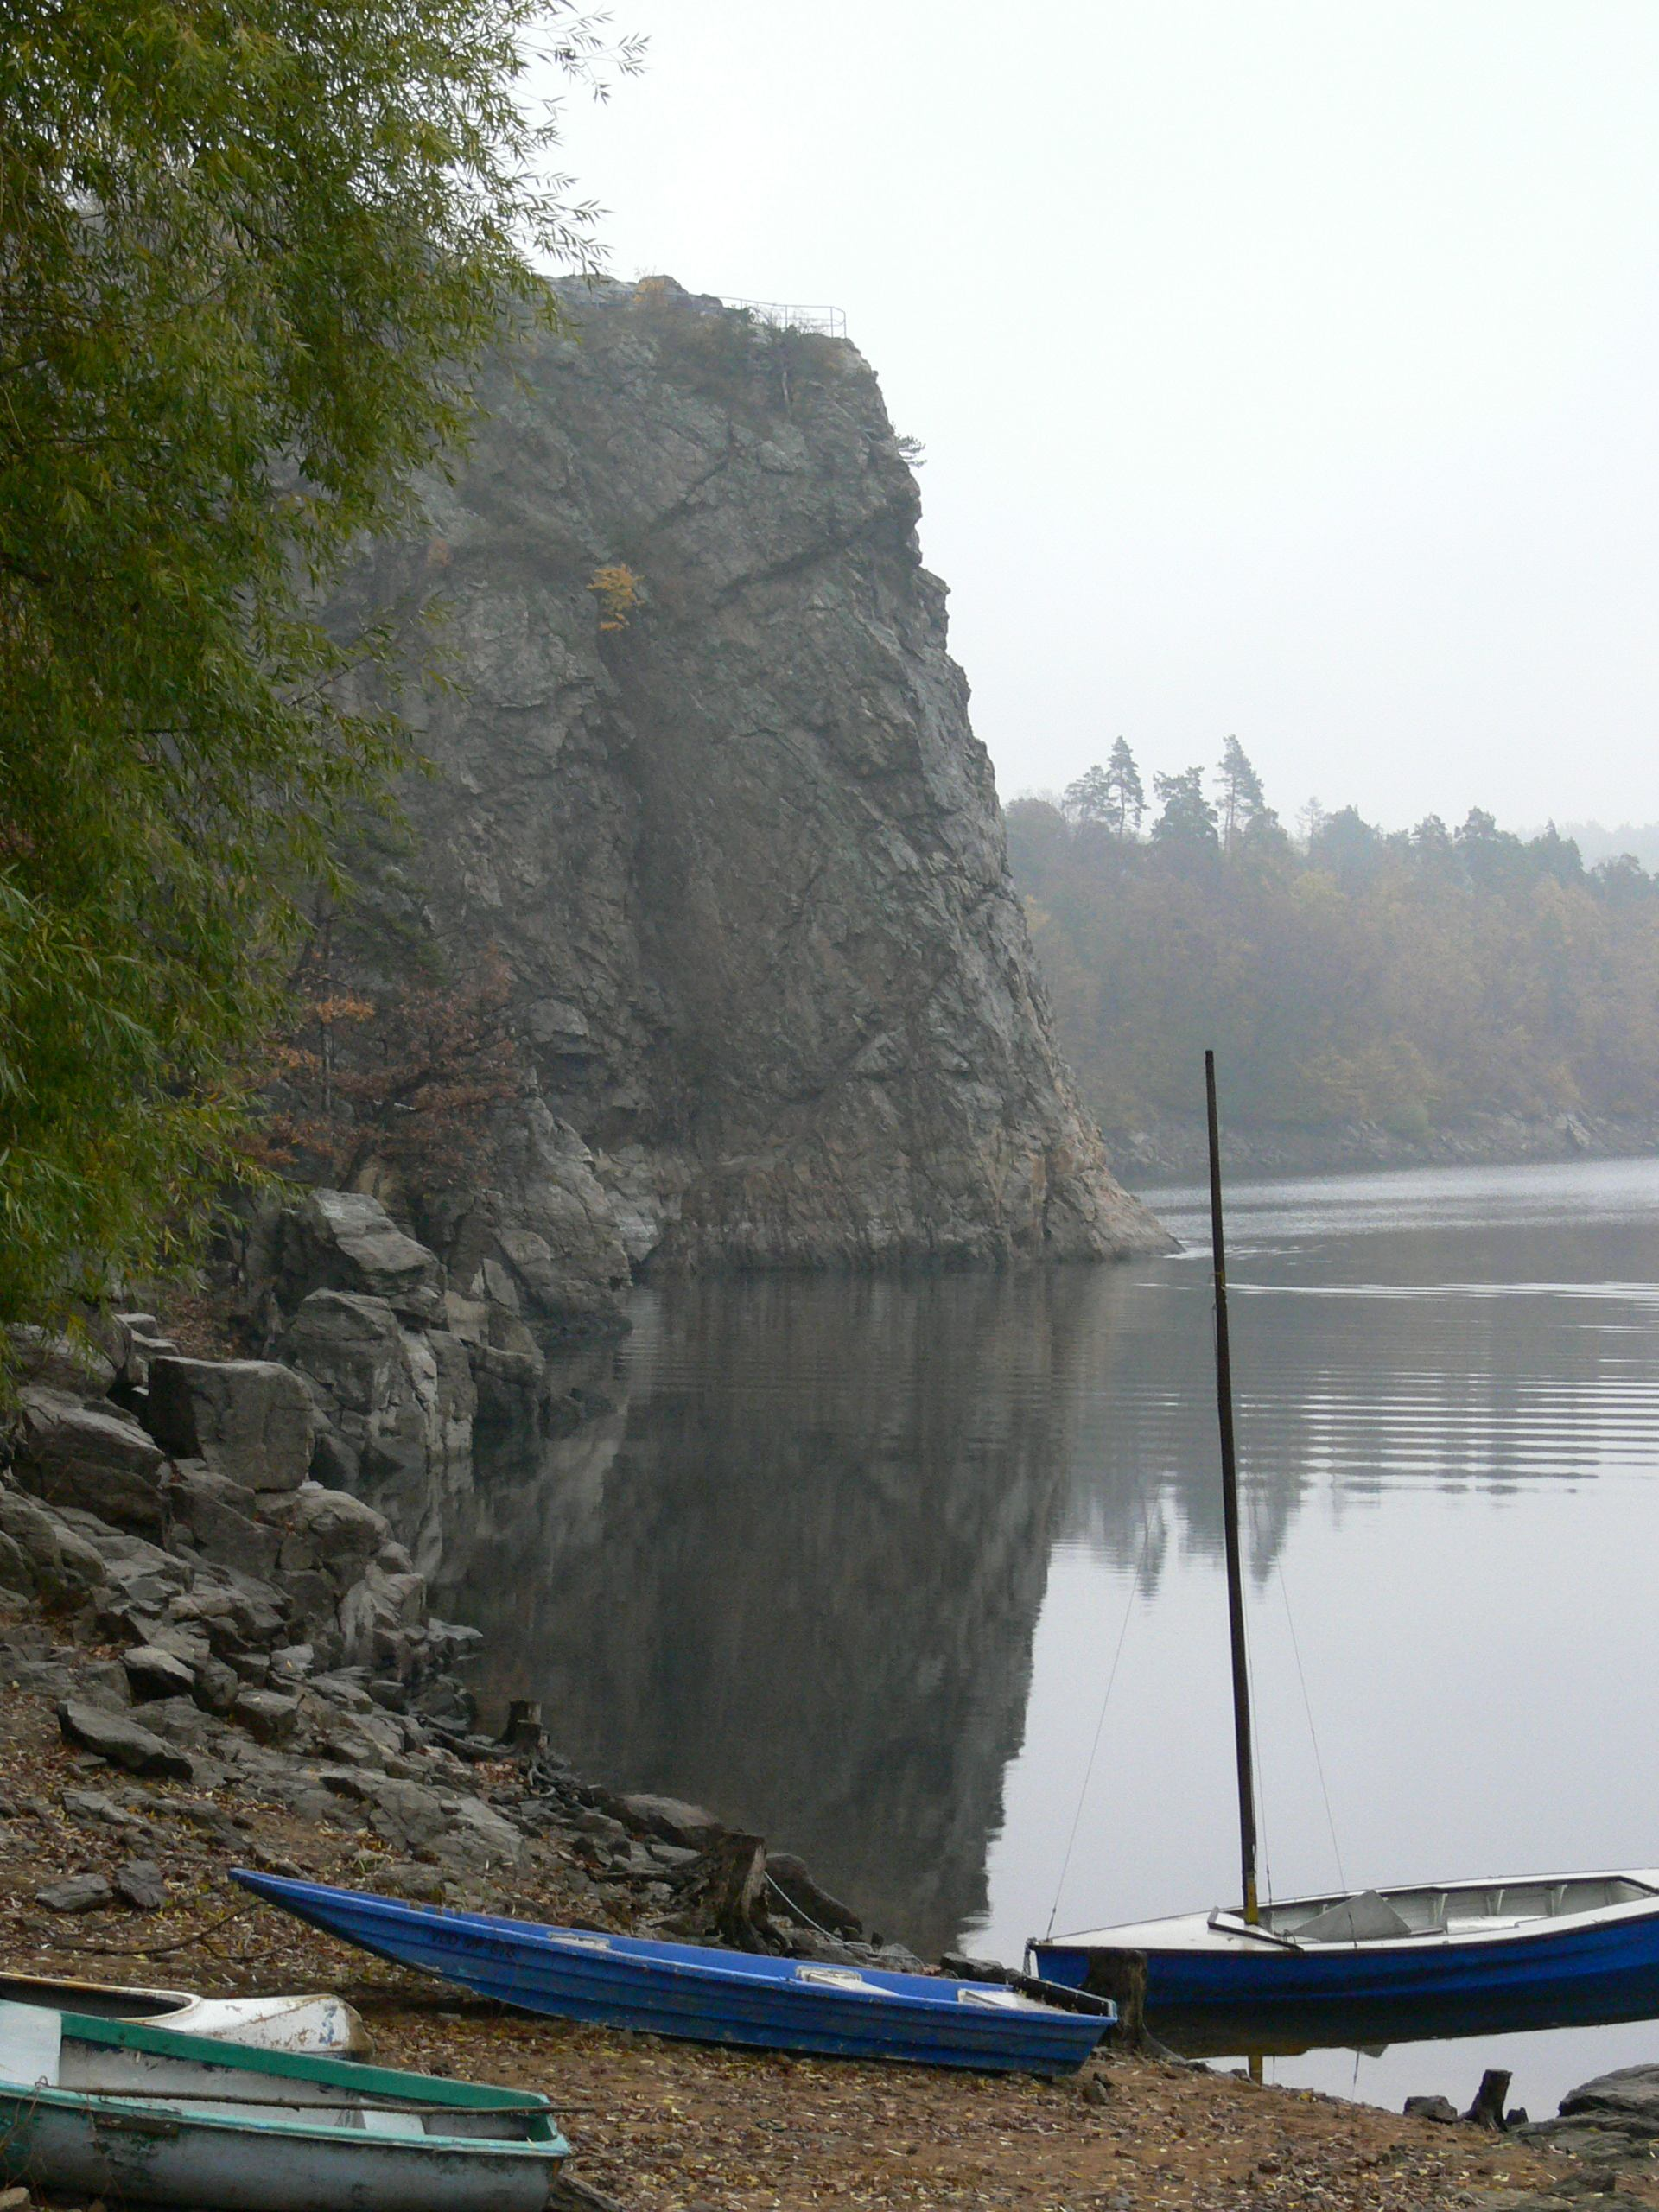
127, 2113
1294, 2024
137, 2156
700, 1993
1612, 1959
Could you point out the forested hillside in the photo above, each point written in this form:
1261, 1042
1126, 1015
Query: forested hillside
1411, 978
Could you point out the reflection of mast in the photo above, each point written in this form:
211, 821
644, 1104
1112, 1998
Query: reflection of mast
1230, 1515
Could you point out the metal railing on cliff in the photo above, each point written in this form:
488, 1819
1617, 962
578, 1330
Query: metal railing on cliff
818, 322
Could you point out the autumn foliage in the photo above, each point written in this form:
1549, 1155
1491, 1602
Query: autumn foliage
403, 1079
616, 589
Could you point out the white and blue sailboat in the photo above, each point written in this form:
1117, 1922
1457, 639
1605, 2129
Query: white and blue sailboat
1422, 1959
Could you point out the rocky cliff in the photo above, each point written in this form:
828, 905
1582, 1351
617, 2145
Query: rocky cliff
707, 783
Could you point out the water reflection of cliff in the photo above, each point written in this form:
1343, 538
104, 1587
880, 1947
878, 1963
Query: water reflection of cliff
796, 1574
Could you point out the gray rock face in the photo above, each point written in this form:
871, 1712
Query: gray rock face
345, 1240
249, 1419
537, 1252
1629, 2095
401, 1403
93, 1457
1613, 2119
155, 1673
326, 1532
40, 1556
71, 1365
139, 1883
123, 1742
79, 1893
217, 1518
739, 846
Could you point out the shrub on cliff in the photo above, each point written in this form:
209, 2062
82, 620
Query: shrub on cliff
248, 254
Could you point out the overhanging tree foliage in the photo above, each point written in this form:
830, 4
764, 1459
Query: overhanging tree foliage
248, 254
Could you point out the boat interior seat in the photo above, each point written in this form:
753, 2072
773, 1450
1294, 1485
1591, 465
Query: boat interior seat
1365, 1917
1422, 1911
1592, 1894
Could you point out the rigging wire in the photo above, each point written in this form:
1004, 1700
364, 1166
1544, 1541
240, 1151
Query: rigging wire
1259, 1794
1100, 1723
1312, 1733
1262, 1823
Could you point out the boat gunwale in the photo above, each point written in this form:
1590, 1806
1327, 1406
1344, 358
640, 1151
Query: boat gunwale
434, 2092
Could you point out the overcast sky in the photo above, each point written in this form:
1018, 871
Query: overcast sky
1284, 367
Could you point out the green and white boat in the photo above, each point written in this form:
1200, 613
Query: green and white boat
119, 2110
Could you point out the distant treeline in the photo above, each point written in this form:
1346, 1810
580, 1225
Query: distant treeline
1408, 977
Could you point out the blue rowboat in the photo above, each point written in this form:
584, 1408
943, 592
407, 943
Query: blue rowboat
1529, 1943
708, 1995
141, 2115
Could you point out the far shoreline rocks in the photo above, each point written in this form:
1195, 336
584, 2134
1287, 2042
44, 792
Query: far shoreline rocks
1159, 1153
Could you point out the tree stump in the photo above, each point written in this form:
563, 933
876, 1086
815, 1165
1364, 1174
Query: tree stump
1121, 1975
524, 1731
737, 1891
1487, 2110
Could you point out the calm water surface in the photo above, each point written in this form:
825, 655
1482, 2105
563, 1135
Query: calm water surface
858, 1562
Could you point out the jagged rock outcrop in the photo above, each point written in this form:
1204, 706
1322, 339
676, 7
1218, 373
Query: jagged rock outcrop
736, 842
224, 1589
398, 1404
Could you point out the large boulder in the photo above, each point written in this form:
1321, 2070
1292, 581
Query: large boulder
123, 1742
40, 1556
345, 1240
91, 1457
381, 1617
218, 1520
325, 1532
250, 1419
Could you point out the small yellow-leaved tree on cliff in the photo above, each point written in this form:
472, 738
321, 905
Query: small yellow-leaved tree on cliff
248, 254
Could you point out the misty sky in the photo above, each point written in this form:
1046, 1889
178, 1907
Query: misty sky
1287, 368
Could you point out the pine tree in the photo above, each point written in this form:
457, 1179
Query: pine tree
1241, 796
1123, 786
1089, 799
1188, 820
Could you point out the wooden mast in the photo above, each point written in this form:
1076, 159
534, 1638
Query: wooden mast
1229, 1518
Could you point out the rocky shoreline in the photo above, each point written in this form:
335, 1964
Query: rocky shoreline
124, 1803
1167, 1151
217, 1637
